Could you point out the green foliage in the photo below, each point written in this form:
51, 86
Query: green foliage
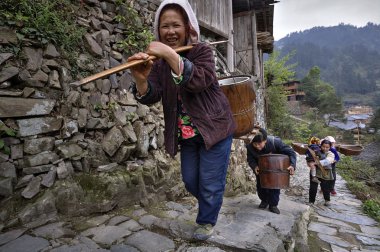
4, 130
359, 188
375, 123
93, 185
319, 129
355, 169
112, 106
321, 96
131, 116
276, 73
98, 107
372, 208
277, 70
43, 20
137, 36
279, 120
310, 84
301, 132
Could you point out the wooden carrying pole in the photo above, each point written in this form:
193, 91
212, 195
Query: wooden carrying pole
316, 160
130, 64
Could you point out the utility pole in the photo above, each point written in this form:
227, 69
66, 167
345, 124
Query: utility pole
357, 126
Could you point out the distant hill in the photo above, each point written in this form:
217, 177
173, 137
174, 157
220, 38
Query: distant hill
348, 56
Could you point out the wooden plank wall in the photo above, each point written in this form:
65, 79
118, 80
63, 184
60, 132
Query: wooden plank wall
243, 42
213, 15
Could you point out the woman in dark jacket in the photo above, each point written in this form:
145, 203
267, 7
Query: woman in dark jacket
196, 112
261, 144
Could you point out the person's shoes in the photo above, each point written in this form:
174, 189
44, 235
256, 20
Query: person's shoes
315, 180
333, 192
274, 209
310, 203
327, 203
203, 232
263, 205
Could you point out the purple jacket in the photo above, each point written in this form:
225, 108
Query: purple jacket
201, 96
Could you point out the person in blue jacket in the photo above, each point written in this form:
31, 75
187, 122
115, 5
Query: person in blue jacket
262, 144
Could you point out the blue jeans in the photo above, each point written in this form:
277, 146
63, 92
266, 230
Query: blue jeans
204, 174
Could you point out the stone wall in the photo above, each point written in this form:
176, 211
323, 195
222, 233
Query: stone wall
80, 150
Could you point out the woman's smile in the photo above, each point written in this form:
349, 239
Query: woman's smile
172, 29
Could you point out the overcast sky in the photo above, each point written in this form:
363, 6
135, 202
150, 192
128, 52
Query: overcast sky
298, 15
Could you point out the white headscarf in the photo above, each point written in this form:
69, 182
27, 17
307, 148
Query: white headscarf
193, 22
330, 138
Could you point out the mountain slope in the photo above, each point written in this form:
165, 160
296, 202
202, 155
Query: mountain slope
349, 57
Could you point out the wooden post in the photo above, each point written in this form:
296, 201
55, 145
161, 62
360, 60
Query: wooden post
357, 124
256, 70
255, 52
230, 45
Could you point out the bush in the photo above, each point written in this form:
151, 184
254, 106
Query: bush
5, 131
355, 169
372, 208
360, 189
137, 36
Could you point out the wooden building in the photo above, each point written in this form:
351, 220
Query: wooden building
215, 19
294, 91
246, 24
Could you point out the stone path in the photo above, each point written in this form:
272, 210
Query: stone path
241, 227
341, 227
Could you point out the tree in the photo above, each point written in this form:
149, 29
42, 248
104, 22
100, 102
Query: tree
375, 123
321, 95
277, 72
310, 84
329, 104
276, 69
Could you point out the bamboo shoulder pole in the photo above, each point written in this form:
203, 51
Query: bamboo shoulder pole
131, 64
122, 67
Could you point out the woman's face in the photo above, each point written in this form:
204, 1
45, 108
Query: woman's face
259, 146
325, 147
172, 29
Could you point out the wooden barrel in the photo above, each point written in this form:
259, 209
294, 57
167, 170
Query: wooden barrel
300, 148
273, 171
241, 96
349, 150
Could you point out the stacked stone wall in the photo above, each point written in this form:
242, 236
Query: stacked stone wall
86, 149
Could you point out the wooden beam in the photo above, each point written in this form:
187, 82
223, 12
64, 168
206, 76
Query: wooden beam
213, 29
230, 45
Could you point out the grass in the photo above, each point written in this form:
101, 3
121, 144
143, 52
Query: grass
54, 21
44, 20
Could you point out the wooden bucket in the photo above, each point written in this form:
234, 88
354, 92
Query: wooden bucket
241, 96
300, 148
349, 150
273, 171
